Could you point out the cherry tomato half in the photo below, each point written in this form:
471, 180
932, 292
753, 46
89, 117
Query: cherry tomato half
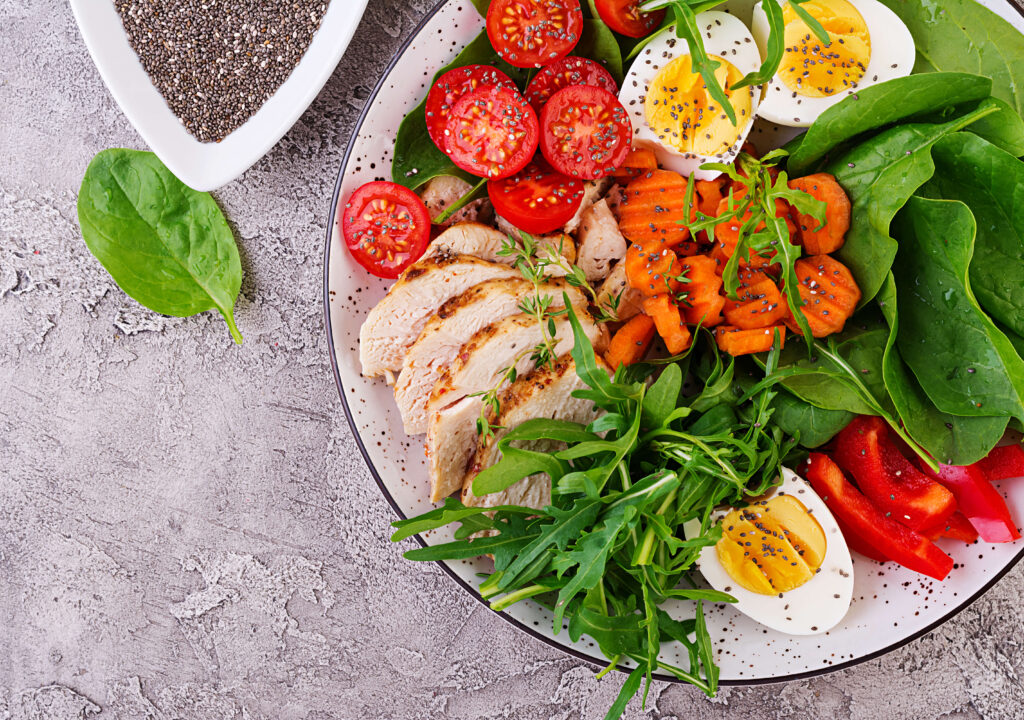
564, 73
492, 132
533, 33
624, 16
450, 87
386, 228
585, 132
536, 199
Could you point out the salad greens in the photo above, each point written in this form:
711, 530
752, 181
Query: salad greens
877, 106
880, 175
965, 36
166, 245
964, 363
991, 183
609, 550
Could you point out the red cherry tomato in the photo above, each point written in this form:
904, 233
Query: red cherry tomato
492, 132
564, 73
450, 87
624, 16
533, 33
585, 132
536, 199
386, 228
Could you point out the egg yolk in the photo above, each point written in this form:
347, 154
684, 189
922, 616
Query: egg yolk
772, 546
812, 69
686, 118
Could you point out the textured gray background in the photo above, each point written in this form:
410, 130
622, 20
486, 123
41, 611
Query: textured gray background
186, 527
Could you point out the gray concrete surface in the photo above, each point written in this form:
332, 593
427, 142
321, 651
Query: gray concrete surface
186, 527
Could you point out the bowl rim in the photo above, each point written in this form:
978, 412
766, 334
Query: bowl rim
207, 166
568, 649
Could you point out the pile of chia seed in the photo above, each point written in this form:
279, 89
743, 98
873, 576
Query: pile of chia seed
217, 61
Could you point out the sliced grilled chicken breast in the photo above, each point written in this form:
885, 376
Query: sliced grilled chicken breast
397, 320
442, 192
478, 367
485, 242
454, 324
616, 286
600, 242
558, 242
544, 393
593, 190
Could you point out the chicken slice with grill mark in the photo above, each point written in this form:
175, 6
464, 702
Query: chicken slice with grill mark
478, 367
485, 242
544, 393
454, 324
601, 243
397, 320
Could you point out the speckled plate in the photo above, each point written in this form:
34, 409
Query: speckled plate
891, 606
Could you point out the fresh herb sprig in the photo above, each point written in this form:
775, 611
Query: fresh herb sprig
534, 262
610, 551
761, 232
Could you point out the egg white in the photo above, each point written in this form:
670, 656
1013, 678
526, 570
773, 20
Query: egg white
724, 36
811, 609
892, 56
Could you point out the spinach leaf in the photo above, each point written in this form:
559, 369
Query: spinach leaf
879, 105
880, 175
991, 183
598, 43
166, 245
1003, 128
951, 439
811, 425
416, 158
481, 6
965, 365
963, 35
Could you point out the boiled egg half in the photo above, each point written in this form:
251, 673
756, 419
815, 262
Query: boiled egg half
672, 111
783, 558
868, 44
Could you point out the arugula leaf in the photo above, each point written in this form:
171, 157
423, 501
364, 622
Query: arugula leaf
569, 524
991, 183
452, 511
629, 689
951, 439
879, 105
880, 175
963, 35
662, 397
812, 23
686, 28
166, 245
775, 47
962, 360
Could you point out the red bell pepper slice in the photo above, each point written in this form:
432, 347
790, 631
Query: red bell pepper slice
865, 450
856, 543
1003, 462
956, 527
979, 501
867, 522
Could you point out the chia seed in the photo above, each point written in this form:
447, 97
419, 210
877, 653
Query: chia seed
217, 61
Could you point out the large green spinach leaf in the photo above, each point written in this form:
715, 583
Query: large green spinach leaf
1003, 128
598, 43
963, 35
951, 439
884, 104
880, 175
812, 425
166, 245
962, 360
416, 158
991, 183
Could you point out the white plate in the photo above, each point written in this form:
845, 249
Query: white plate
207, 166
891, 606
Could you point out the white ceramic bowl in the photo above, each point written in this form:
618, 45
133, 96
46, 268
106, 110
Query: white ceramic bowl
207, 166
891, 605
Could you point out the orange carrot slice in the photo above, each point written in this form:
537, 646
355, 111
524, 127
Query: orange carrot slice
629, 344
816, 239
759, 304
669, 322
652, 211
638, 161
829, 292
652, 269
737, 341
703, 301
